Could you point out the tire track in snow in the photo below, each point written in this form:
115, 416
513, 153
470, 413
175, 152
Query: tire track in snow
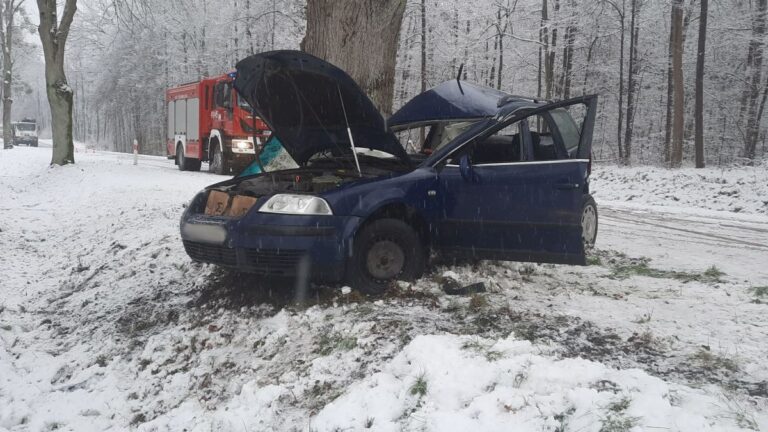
697, 228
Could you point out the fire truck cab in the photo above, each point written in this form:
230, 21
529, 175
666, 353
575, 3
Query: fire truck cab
209, 122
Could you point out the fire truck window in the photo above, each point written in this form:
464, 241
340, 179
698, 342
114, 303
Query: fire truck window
223, 95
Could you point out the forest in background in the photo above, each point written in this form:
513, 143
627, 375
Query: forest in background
122, 55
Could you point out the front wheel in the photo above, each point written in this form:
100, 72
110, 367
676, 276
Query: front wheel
385, 250
589, 222
218, 163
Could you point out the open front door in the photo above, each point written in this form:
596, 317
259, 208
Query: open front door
517, 191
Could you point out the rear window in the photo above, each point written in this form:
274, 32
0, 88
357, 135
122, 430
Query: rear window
25, 126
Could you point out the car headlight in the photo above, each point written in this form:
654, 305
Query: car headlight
296, 204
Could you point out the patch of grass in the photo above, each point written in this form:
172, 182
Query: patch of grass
594, 260
478, 302
617, 419
322, 393
714, 273
482, 349
419, 388
642, 268
493, 356
760, 291
563, 418
714, 362
369, 422
330, 342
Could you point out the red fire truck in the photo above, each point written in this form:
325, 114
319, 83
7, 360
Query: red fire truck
208, 121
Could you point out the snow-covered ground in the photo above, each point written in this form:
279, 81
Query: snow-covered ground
106, 324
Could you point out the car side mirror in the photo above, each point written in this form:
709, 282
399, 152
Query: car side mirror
465, 167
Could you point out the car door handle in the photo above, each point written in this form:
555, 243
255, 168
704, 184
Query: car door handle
566, 186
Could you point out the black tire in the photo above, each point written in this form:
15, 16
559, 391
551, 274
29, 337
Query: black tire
389, 247
218, 164
185, 163
181, 161
588, 225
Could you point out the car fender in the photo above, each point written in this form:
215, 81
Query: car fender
373, 202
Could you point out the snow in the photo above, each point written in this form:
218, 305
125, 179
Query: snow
105, 324
728, 189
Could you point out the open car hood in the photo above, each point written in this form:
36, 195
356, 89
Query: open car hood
449, 101
303, 100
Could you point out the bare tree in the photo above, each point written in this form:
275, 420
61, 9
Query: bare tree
8, 11
756, 49
699, 116
678, 110
631, 83
53, 35
621, 12
361, 38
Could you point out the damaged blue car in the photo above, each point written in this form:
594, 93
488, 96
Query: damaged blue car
460, 170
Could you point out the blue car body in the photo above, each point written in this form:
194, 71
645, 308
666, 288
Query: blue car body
525, 210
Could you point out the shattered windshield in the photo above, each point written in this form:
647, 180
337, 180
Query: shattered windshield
272, 157
430, 138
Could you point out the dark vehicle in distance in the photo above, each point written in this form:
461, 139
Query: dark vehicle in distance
497, 177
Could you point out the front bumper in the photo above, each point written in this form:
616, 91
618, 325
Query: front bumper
273, 245
25, 140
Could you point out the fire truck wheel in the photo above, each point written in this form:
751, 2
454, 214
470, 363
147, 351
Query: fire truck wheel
218, 161
181, 161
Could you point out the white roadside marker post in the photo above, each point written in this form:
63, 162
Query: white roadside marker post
135, 152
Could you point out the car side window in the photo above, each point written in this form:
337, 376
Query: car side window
542, 139
504, 146
569, 131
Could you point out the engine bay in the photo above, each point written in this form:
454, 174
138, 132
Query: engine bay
236, 200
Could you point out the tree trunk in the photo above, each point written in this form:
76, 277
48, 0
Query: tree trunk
7, 13
423, 76
53, 36
360, 38
670, 89
568, 61
631, 83
699, 116
678, 117
757, 48
502, 31
621, 81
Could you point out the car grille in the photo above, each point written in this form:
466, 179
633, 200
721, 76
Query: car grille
273, 261
211, 253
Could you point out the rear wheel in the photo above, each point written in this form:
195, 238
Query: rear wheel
181, 161
589, 222
218, 163
385, 250
185, 163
